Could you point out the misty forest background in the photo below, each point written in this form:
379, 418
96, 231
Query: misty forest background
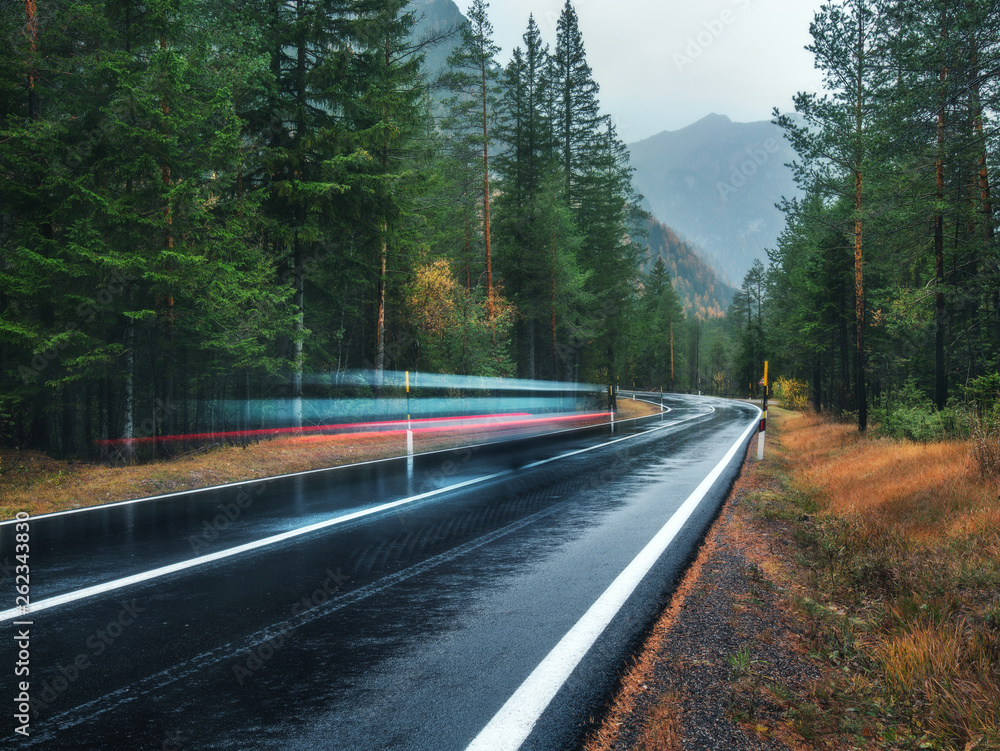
208, 209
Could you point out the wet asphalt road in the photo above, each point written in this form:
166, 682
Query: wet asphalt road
394, 628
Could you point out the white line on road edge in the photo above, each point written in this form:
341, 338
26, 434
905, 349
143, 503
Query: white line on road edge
511, 726
155, 573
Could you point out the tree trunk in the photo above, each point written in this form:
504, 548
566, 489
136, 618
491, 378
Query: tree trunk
31, 28
168, 237
486, 201
984, 184
245, 432
383, 240
555, 355
128, 431
859, 293
671, 354
301, 215
380, 315
104, 427
940, 373
299, 302
531, 348
860, 387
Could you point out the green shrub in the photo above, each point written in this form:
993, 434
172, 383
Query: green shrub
920, 424
983, 394
912, 415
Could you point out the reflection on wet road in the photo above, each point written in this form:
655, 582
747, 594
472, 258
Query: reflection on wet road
369, 607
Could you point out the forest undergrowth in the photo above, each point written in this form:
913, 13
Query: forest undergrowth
899, 545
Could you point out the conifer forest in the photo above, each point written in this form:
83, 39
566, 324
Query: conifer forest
207, 207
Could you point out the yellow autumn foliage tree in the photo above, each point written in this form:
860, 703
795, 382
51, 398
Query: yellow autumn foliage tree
453, 325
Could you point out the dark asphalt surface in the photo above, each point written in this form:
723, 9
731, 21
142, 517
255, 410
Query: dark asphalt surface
404, 629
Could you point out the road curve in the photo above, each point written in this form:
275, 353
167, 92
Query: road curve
484, 598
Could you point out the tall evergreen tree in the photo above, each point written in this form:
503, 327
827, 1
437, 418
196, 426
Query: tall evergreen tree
662, 329
537, 239
385, 114
473, 79
575, 109
611, 225
839, 134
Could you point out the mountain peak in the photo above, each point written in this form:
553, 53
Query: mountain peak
717, 182
712, 119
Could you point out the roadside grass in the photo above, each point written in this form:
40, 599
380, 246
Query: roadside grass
38, 484
663, 731
898, 581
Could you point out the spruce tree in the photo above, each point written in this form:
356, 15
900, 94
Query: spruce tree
473, 79
537, 239
838, 135
385, 115
576, 113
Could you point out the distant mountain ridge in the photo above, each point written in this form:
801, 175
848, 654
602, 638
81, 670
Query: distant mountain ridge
434, 18
716, 183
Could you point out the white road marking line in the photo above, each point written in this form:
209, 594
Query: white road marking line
625, 438
511, 726
155, 573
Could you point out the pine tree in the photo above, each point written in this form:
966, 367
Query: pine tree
575, 110
611, 225
536, 237
385, 115
473, 79
938, 118
840, 133
661, 330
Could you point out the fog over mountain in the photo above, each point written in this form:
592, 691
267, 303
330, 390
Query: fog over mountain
435, 18
716, 182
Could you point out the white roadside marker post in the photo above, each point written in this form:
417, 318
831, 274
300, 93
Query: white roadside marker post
763, 418
409, 425
611, 393
409, 439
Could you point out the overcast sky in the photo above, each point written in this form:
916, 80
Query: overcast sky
663, 64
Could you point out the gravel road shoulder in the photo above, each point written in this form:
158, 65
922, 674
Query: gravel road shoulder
726, 665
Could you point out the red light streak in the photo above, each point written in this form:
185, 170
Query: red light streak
390, 427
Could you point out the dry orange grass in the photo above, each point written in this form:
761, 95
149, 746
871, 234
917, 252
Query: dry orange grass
908, 536
952, 668
663, 732
928, 492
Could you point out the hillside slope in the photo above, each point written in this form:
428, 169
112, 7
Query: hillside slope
701, 290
